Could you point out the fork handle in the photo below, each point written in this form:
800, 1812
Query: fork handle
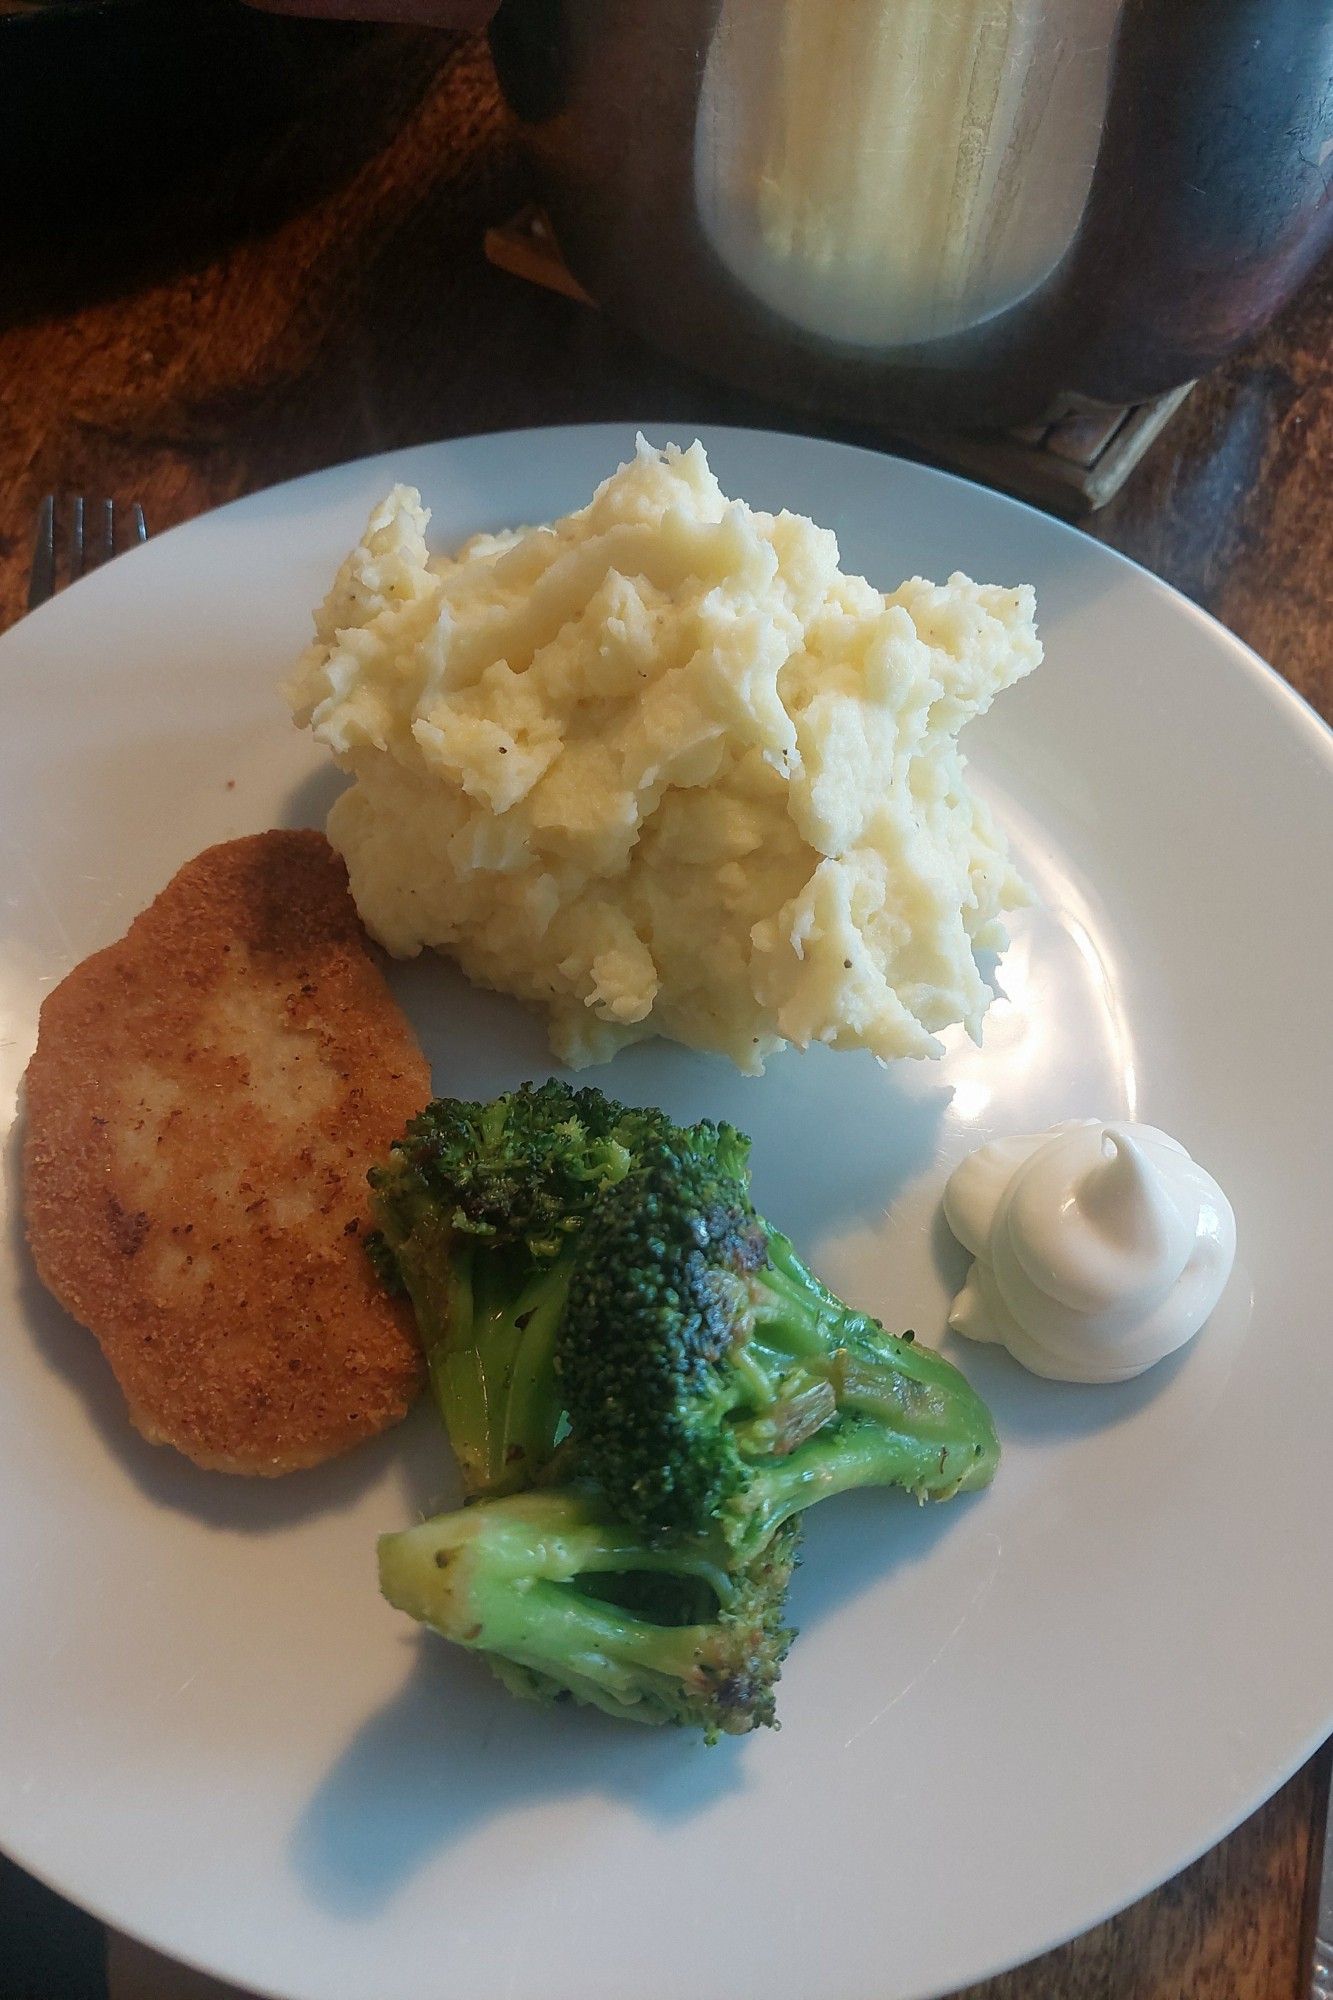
1320, 1985
1321, 1971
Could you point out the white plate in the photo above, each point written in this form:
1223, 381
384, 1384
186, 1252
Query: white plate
1005, 1717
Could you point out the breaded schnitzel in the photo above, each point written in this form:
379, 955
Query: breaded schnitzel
202, 1106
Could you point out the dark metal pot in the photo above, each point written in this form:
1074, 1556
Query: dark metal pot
1121, 191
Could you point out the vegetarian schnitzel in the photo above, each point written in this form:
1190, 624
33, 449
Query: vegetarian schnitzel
203, 1103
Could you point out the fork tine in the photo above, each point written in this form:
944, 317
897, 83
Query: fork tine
106, 536
76, 538
88, 542
42, 578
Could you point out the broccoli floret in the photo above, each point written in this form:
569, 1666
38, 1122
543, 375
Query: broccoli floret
479, 1207
604, 1312
710, 1376
568, 1602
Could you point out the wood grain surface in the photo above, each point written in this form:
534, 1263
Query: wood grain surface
324, 294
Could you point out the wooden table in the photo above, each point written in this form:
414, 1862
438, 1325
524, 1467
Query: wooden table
353, 312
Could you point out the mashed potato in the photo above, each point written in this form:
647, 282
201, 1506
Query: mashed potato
664, 769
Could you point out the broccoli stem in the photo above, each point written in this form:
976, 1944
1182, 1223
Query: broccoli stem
816, 1357
489, 1356
934, 1458
496, 1389
798, 1314
502, 1578
783, 1372
847, 1405
557, 1533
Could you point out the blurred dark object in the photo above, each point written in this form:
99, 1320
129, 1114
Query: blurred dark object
1075, 459
48, 1949
463, 14
1206, 139
117, 117
1213, 199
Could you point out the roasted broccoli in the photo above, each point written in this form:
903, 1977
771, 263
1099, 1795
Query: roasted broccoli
709, 1376
568, 1603
611, 1326
479, 1207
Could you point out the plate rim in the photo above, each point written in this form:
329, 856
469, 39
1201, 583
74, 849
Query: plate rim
1267, 674
1290, 707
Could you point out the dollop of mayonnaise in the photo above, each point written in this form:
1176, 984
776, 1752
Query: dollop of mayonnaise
1099, 1249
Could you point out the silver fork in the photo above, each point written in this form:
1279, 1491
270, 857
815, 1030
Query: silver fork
76, 538
1320, 1985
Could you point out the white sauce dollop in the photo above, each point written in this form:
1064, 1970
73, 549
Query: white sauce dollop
1099, 1249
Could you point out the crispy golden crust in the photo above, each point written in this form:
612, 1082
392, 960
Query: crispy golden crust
204, 1101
